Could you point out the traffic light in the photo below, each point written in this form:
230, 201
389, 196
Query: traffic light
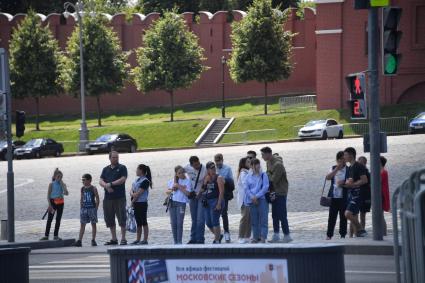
20, 123
356, 84
361, 4
390, 40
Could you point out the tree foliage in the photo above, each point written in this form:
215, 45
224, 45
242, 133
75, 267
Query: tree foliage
261, 48
105, 65
170, 58
35, 61
143, 6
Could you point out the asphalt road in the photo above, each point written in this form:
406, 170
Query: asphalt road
306, 164
94, 267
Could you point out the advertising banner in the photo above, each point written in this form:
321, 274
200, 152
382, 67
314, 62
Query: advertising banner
208, 270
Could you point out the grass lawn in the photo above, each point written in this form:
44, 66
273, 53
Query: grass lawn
151, 128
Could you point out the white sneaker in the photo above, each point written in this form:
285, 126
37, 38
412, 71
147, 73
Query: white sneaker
227, 237
275, 238
287, 239
243, 241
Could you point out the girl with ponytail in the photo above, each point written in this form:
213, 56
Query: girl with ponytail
139, 198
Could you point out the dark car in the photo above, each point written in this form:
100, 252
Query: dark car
37, 148
417, 124
118, 142
3, 147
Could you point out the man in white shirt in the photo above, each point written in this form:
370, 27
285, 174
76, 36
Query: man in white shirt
196, 172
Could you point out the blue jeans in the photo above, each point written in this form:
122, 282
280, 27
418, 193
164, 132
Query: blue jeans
279, 215
212, 216
197, 230
177, 211
259, 219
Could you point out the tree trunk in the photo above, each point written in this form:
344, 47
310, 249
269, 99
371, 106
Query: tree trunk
37, 106
172, 105
99, 118
265, 98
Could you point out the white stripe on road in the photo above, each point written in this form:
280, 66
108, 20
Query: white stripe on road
69, 266
369, 272
74, 262
27, 182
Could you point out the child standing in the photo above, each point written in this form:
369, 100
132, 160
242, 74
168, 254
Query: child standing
56, 191
88, 213
139, 199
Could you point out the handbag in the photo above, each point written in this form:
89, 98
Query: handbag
325, 200
131, 224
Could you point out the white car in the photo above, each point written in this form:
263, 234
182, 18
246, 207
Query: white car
321, 129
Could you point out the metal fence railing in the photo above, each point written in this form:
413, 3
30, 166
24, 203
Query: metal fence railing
264, 135
304, 101
409, 201
391, 125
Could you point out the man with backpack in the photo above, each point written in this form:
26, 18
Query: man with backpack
229, 186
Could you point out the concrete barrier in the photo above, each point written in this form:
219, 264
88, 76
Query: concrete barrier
300, 263
14, 265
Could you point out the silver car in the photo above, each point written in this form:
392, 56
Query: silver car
321, 129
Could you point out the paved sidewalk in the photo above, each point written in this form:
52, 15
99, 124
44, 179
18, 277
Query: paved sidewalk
306, 227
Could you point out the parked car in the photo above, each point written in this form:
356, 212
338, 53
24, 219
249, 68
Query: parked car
118, 142
417, 124
321, 129
37, 148
3, 147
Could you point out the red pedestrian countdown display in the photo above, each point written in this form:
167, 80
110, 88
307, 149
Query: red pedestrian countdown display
356, 84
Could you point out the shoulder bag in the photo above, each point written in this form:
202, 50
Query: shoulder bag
325, 200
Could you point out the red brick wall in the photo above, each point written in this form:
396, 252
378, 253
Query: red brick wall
214, 36
330, 44
351, 56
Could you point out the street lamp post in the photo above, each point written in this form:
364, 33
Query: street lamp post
84, 132
223, 105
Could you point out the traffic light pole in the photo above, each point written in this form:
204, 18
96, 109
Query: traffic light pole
10, 175
374, 124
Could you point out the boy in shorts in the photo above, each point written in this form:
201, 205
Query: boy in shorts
88, 213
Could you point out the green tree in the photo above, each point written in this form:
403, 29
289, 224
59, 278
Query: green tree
35, 62
105, 65
261, 48
281, 4
170, 58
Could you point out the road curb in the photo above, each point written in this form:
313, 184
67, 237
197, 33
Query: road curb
40, 244
369, 250
350, 249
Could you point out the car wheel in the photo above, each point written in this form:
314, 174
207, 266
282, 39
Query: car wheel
340, 135
324, 135
132, 148
89, 152
57, 153
37, 155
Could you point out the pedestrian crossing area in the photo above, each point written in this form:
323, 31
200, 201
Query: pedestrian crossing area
308, 222
92, 267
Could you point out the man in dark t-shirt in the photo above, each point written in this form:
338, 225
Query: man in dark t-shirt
357, 177
365, 194
113, 179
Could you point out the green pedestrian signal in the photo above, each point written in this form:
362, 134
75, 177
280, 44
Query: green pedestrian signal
390, 40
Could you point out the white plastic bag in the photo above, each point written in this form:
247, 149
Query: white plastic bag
131, 220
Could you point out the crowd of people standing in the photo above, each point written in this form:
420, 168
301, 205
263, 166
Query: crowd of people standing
208, 189
350, 194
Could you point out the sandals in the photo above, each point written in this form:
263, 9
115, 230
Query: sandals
123, 242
